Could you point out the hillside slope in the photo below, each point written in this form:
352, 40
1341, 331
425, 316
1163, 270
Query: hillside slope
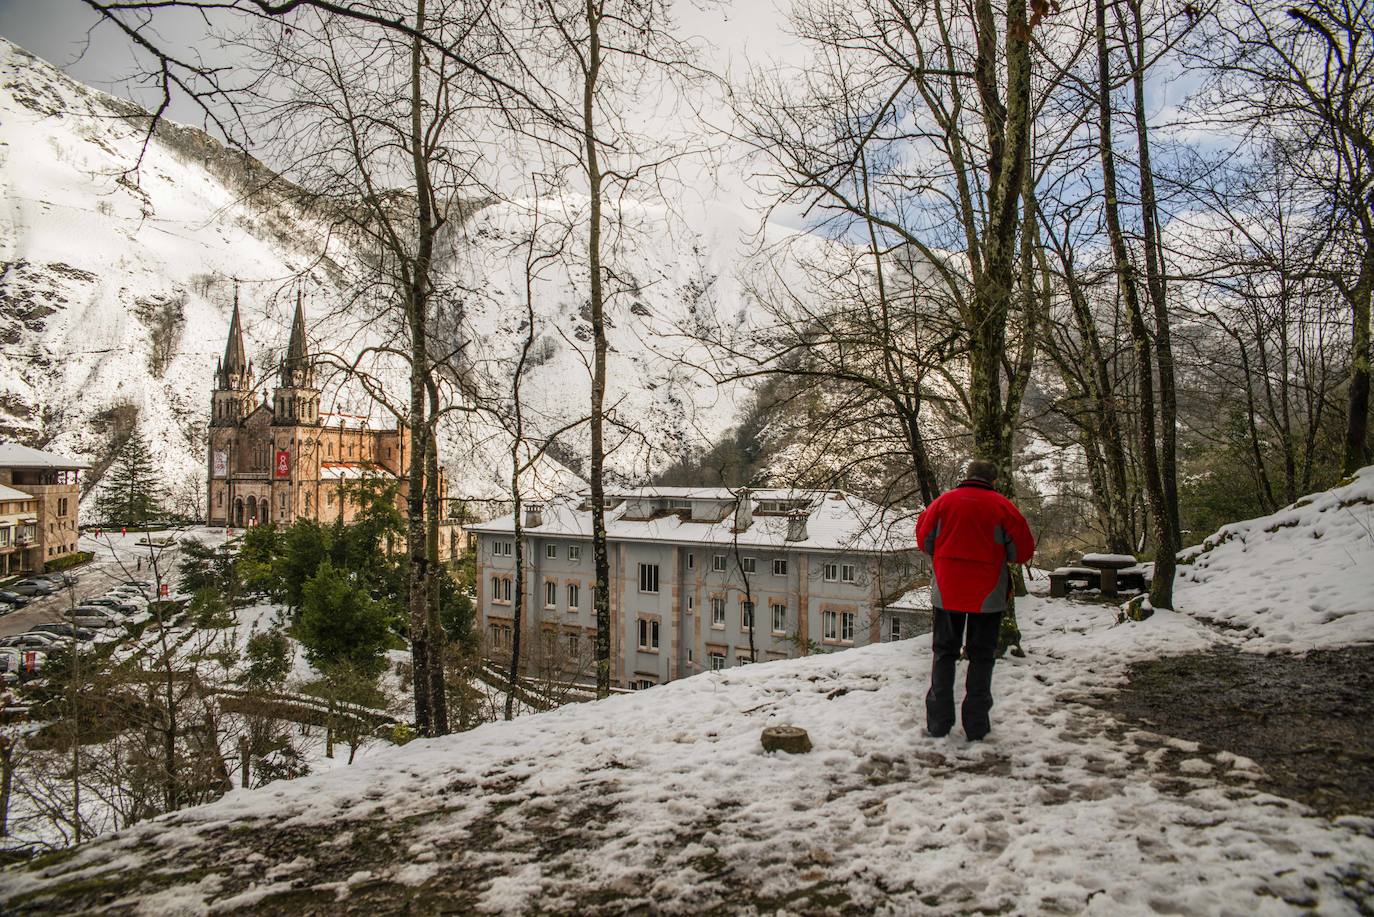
664, 801
116, 289
1298, 579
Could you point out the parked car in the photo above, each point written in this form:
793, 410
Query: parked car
32, 587
144, 585
13, 599
59, 579
119, 603
128, 592
93, 616
64, 631
31, 641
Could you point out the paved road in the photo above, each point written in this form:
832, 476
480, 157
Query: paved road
117, 558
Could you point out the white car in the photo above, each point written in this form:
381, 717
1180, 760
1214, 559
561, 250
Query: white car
30, 641
92, 616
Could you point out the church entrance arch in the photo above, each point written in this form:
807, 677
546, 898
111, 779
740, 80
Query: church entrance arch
252, 510
238, 512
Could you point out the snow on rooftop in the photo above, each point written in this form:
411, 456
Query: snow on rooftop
9, 493
917, 599
14, 455
840, 522
340, 420
352, 471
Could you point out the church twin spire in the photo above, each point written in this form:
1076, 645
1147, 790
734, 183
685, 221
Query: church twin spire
297, 399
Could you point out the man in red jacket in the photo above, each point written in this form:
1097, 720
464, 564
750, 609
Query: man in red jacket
971, 533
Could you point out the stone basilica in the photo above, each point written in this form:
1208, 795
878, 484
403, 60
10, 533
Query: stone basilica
284, 460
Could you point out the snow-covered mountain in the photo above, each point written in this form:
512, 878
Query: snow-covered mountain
116, 287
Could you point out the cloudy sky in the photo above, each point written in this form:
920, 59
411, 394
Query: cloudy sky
64, 32
739, 34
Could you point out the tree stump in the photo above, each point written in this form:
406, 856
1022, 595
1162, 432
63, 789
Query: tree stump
791, 739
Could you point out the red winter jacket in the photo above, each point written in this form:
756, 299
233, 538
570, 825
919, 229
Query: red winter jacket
972, 532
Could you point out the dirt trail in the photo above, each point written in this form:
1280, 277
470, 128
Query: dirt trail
1307, 721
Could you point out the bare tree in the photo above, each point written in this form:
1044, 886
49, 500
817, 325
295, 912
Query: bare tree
1301, 77
604, 53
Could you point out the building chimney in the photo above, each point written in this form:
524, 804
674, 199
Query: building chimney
796, 525
744, 509
534, 515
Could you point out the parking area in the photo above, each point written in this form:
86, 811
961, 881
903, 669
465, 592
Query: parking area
117, 558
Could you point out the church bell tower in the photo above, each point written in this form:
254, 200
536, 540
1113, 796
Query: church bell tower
232, 399
296, 402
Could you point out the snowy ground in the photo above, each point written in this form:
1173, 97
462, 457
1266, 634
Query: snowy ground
665, 801
1300, 579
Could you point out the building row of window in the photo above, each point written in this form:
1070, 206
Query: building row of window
716, 660
835, 625
502, 588
831, 572
499, 639
17, 534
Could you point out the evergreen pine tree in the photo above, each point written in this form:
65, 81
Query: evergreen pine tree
131, 495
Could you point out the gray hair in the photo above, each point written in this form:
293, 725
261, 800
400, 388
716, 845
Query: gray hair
982, 469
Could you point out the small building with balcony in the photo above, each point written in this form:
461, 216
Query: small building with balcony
40, 496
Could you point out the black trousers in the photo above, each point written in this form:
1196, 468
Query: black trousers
947, 636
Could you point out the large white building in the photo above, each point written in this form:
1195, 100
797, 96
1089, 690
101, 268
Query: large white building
695, 573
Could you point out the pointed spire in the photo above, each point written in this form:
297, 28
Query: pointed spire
295, 350
233, 368
296, 371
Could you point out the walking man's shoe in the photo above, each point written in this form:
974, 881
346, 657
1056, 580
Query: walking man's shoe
971, 534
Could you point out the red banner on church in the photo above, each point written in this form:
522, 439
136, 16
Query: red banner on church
283, 463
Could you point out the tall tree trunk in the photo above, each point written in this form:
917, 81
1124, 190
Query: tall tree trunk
7, 744
518, 599
1355, 452
1166, 558
417, 305
438, 701
1130, 292
993, 420
600, 557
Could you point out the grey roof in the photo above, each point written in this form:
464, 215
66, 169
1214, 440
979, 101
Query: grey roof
835, 522
8, 493
13, 455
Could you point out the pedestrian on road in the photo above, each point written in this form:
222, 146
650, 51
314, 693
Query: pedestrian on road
971, 534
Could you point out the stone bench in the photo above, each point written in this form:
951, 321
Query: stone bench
1060, 579
1107, 573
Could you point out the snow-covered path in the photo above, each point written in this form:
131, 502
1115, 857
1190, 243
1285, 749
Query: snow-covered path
665, 800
